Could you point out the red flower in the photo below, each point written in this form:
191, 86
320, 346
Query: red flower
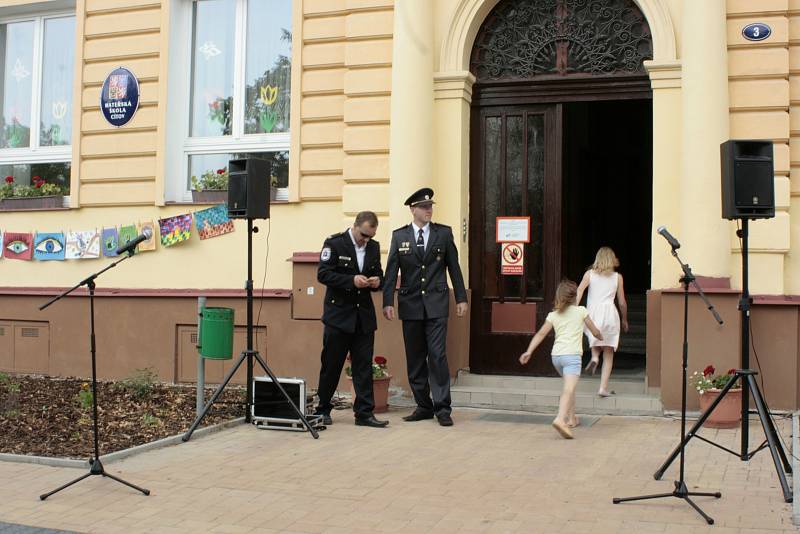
731, 371
37, 179
220, 171
709, 370
37, 185
9, 179
380, 360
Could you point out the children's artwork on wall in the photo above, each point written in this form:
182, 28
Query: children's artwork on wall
83, 245
213, 222
127, 234
49, 246
149, 244
18, 246
175, 229
110, 242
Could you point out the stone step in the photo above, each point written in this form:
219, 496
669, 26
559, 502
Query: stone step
587, 384
547, 401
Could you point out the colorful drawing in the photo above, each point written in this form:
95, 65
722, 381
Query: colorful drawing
83, 245
150, 244
268, 94
213, 222
175, 229
110, 242
18, 246
49, 246
127, 234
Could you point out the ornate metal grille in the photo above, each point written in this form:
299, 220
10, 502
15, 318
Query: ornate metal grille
523, 39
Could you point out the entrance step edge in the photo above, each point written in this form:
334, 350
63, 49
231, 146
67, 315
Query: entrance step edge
547, 401
587, 384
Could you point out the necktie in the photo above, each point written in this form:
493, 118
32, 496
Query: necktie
420, 239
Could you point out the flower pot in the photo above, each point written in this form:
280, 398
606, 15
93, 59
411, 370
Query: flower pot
210, 196
728, 412
380, 392
32, 203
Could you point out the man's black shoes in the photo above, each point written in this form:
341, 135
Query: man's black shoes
445, 419
418, 415
327, 420
371, 421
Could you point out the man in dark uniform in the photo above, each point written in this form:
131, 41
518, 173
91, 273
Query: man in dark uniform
350, 267
422, 251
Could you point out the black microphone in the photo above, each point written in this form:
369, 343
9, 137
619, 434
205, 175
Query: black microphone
146, 234
669, 237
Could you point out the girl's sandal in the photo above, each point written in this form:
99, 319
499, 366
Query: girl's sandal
562, 429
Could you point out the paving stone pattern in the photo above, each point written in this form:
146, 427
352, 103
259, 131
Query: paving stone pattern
477, 476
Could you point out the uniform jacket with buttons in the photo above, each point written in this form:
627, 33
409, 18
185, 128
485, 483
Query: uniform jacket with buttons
344, 302
423, 278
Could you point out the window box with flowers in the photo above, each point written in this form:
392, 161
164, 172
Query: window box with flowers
380, 382
39, 195
211, 188
728, 413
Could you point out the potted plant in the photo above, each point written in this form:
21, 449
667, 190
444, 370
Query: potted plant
728, 412
39, 195
211, 188
380, 382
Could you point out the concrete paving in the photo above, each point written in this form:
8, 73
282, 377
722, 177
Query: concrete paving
485, 474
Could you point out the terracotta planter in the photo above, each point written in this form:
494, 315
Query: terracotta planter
210, 196
380, 391
32, 203
728, 413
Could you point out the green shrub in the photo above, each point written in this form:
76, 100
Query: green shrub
140, 384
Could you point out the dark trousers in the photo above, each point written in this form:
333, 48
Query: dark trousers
335, 346
428, 373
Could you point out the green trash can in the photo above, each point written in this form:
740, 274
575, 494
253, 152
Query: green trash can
216, 334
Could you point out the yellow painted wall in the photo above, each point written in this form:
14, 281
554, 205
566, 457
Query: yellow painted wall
339, 159
341, 135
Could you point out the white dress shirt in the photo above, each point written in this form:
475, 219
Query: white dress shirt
426, 233
360, 251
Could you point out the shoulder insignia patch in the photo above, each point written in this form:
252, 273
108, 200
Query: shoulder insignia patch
325, 255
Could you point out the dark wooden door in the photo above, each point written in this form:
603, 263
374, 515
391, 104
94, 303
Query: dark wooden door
515, 171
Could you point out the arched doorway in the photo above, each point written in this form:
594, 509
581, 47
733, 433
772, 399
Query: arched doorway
561, 132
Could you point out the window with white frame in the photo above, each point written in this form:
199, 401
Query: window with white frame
37, 56
238, 72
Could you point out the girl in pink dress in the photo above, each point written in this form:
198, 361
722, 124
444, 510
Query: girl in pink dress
604, 284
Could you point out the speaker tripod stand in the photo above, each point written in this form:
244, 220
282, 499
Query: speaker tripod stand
248, 355
681, 491
745, 377
96, 466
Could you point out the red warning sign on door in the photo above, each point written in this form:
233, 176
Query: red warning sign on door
511, 259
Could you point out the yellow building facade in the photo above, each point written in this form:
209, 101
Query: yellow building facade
379, 98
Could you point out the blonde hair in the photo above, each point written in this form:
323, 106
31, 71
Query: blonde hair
605, 261
566, 293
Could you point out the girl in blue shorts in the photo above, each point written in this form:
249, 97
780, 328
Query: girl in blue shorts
568, 320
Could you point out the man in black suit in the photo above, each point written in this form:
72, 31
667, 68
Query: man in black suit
350, 267
422, 251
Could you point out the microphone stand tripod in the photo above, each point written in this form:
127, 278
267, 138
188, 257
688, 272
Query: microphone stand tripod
95, 465
745, 377
681, 491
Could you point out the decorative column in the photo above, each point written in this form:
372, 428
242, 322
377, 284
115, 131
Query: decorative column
705, 236
411, 143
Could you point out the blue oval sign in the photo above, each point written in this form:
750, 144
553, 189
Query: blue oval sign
119, 98
757, 31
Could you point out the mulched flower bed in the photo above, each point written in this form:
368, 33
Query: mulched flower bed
43, 416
